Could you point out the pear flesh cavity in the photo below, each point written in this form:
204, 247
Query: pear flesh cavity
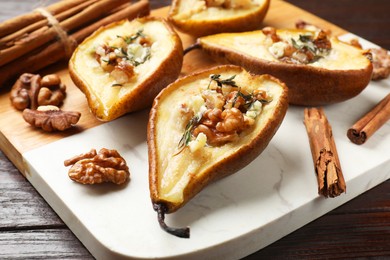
205, 17
215, 9
317, 68
206, 126
122, 66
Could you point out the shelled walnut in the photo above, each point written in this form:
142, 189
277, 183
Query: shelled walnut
51, 118
381, 62
105, 166
32, 91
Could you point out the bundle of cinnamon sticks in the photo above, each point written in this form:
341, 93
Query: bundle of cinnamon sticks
45, 36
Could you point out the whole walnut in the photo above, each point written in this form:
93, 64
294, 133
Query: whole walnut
32, 91
105, 166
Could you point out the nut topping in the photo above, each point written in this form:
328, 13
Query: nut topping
105, 166
120, 56
224, 115
307, 48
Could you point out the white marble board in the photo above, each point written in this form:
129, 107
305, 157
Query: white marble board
273, 196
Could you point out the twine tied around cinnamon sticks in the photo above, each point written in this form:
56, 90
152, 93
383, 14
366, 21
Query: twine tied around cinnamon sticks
35, 40
69, 43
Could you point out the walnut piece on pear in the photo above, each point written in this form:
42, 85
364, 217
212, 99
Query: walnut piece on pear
51, 118
92, 168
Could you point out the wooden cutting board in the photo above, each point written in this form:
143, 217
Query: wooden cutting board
16, 137
271, 197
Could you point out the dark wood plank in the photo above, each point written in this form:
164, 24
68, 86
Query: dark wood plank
358, 229
21, 205
377, 200
41, 244
368, 19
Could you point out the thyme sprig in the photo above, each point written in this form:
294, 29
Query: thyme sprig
138, 34
186, 137
108, 61
220, 82
142, 59
123, 53
195, 120
307, 43
130, 39
248, 98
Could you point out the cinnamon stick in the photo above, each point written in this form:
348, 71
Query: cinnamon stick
24, 20
365, 127
52, 53
12, 38
138, 9
46, 34
325, 157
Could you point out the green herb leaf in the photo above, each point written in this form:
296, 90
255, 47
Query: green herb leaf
138, 61
138, 34
265, 101
306, 42
248, 98
186, 138
305, 38
125, 38
130, 39
220, 82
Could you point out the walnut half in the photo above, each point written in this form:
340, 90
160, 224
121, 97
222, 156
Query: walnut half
105, 166
51, 118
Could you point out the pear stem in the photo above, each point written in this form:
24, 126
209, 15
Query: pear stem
192, 47
179, 232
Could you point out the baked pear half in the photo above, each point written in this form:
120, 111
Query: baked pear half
205, 17
123, 66
206, 126
317, 68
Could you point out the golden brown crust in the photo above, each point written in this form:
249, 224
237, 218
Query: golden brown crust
141, 96
199, 28
230, 164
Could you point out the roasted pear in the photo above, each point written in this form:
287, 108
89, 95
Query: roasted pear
205, 17
206, 126
123, 66
317, 68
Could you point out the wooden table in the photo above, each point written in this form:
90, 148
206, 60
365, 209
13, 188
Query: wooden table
360, 228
